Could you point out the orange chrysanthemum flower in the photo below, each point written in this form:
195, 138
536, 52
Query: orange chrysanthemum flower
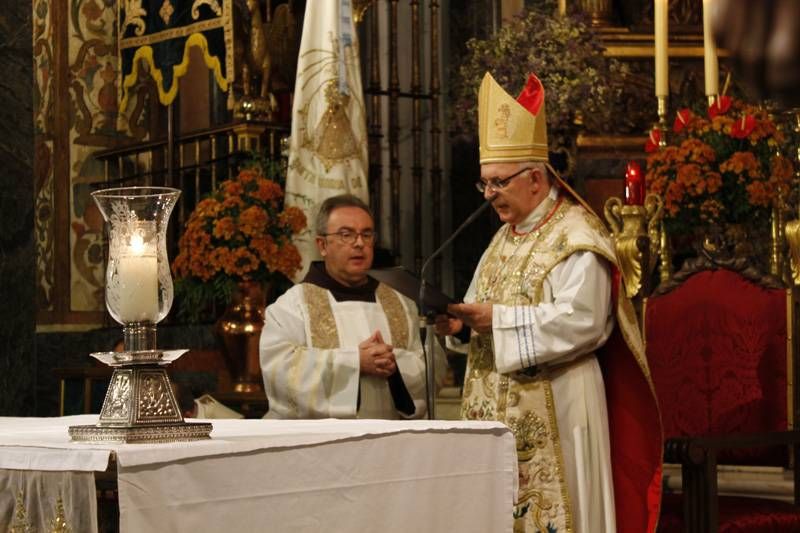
721, 166
242, 231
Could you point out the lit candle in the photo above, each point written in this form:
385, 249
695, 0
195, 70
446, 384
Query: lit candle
710, 51
634, 184
660, 19
562, 7
137, 272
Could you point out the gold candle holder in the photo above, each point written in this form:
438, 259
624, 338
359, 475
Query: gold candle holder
793, 238
792, 232
636, 239
662, 120
776, 257
665, 251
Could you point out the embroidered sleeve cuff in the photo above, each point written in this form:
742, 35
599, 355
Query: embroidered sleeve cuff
514, 336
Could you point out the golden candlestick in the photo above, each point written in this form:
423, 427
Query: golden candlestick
662, 120
636, 239
793, 238
776, 258
665, 253
792, 232
710, 61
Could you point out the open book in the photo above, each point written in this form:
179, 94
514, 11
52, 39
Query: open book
407, 284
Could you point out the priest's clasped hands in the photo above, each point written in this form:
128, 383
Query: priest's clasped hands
476, 316
377, 357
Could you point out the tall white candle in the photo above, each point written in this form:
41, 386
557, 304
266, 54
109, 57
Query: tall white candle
660, 19
710, 51
138, 283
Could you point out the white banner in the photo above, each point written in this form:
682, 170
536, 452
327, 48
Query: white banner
328, 150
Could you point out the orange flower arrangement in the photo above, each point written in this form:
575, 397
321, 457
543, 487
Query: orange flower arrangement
723, 168
240, 232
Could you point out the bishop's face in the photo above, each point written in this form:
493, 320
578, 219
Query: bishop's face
516, 198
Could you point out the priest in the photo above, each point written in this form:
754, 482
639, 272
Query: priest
340, 344
555, 351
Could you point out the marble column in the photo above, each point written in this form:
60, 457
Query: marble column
17, 261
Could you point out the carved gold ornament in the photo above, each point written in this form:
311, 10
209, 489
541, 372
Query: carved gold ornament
359, 8
636, 238
793, 237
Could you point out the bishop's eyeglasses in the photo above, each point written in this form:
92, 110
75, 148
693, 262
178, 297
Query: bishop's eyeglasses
348, 236
496, 184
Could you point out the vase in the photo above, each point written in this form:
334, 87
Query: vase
240, 327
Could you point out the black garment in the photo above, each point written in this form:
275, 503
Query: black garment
317, 275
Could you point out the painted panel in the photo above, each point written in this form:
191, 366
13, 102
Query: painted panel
43, 90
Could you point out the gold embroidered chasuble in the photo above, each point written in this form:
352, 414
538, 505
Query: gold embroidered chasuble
513, 273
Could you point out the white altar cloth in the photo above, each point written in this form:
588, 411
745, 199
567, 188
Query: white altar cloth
294, 475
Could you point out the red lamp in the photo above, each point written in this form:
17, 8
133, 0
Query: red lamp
634, 184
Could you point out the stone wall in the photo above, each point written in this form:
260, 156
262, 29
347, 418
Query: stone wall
17, 263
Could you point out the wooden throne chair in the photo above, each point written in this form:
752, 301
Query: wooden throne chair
721, 348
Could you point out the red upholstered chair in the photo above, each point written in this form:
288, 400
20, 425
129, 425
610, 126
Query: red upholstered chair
719, 346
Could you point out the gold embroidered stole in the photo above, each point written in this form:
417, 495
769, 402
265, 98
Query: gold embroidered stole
323, 334
513, 273
321, 324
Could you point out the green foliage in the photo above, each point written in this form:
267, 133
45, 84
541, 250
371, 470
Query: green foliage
564, 53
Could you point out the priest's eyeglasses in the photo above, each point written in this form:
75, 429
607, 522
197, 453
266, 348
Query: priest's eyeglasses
496, 184
348, 236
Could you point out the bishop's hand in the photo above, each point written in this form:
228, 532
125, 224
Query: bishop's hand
447, 325
476, 316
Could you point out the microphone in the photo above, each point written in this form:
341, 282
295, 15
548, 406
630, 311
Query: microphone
430, 373
469, 220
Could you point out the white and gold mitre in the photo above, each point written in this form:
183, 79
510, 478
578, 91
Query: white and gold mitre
512, 130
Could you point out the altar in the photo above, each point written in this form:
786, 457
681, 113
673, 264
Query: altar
276, 475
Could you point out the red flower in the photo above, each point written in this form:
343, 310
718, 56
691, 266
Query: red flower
653, 141
719, 107
743, 127
682, 120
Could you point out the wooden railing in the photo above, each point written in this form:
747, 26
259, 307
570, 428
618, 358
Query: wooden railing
199, 160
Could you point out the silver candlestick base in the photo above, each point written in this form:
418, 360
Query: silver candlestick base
140, 405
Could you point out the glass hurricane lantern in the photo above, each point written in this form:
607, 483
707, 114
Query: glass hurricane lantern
140, 404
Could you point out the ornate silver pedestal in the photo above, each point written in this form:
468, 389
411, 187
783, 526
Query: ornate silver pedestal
140, 405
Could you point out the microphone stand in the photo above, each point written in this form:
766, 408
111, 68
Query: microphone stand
427, 316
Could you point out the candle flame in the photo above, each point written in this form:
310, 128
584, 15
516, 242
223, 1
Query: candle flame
137, 244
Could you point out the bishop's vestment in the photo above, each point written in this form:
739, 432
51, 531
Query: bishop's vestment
551, 283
